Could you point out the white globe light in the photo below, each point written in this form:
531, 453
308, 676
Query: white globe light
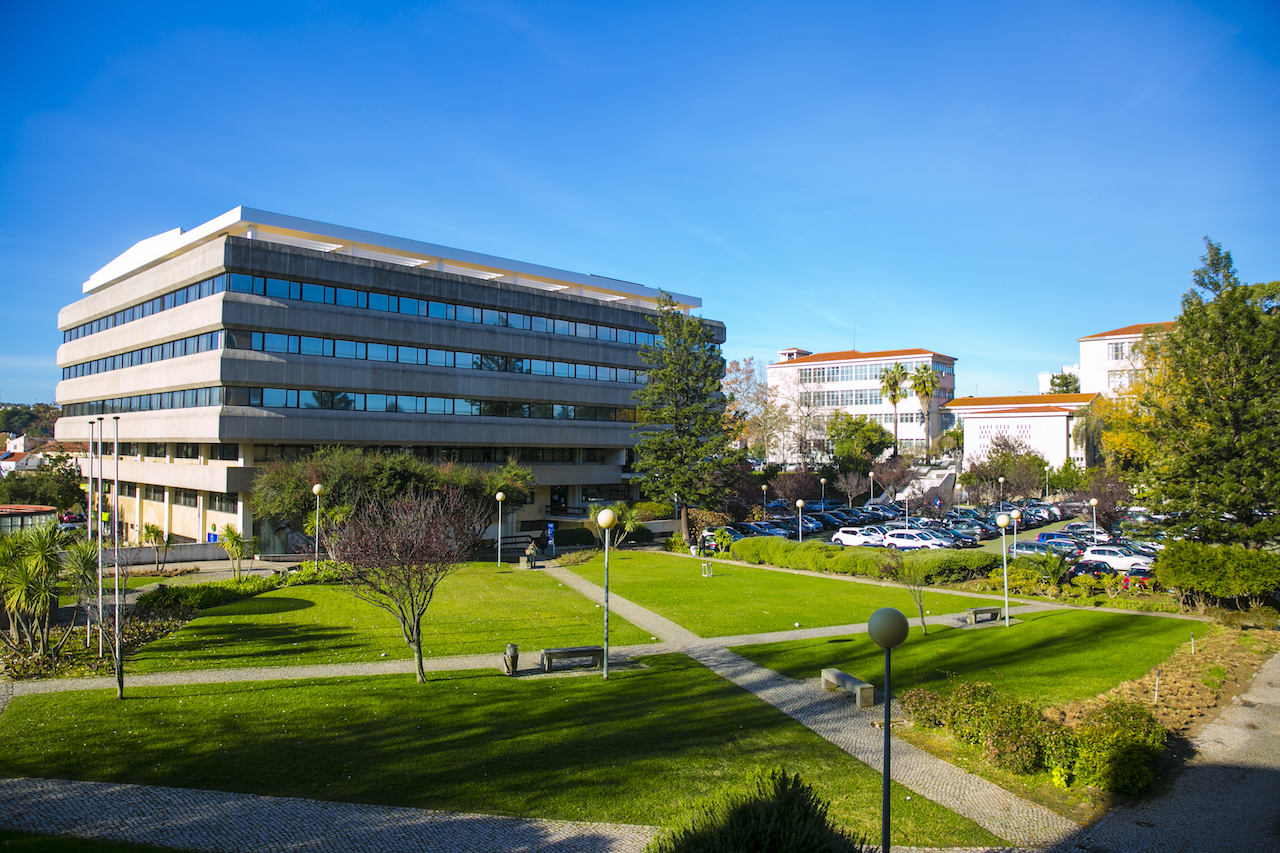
500, 497
1093, 501
606, 519
799, 504
1002, 520
317, 489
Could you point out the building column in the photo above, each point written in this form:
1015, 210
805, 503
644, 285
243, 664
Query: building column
168, 510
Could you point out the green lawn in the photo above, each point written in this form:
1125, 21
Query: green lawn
108, 589
30, 842
1052, 657
747, 599
633, 749
477, 610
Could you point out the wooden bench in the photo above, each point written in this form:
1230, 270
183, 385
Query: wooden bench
861, 691
549, 656
971, 615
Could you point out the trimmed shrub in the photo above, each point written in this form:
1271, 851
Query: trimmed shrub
780, 813
577, 558
641, 535
675, 544
308, 573
949, 565
202, 596
1118, 744
575, 536
649, 510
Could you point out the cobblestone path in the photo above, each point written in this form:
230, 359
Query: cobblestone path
221, 822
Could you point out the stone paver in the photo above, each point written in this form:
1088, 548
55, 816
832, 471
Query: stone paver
222, 822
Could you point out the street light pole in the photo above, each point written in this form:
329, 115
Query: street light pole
606, 519
97, 524
799, 521
1093, 502
888, 629
1001, 481
1002, 521
115, 535
500, 497
823, 481
1016, 515
764, 501
317, 490
873, 487
1046, 482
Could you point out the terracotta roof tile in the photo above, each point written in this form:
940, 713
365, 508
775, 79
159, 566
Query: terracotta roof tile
853, 354
1135, 329
1023, 400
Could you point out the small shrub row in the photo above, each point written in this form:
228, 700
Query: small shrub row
201, 596
942, 566
309, 572
1261, 616
1113, 748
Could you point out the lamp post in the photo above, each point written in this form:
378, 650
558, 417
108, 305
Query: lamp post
500, 497
606, 519
1001, 481
1016, 515
764, 501
799, 521
823, 481
1093, 502
888, 629
97, 524
317, 490
115, 535
873, 487
1046, 482
1002, 521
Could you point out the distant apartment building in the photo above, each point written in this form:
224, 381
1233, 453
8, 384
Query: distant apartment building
1107, 360
813, 385
258, 337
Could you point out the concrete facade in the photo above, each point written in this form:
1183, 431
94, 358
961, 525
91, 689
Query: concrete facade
1045, 422
297, 334
1107, 360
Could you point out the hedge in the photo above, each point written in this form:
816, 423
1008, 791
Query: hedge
201, 596
1220, 571
1113, 748
945, 565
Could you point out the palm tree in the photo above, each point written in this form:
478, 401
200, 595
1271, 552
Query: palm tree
153, 535
80, 570
29, 574
231, 540
925, 382
892, 382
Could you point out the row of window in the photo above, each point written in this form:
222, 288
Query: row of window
365, 351
482, 455
865, 372
357, 298
215, 501
855, 397
351, 401
146, 355
1119, 350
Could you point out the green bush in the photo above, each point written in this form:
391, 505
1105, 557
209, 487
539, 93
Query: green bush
575, 536
649, 510
308, 573
641, 535
1014, 740
675, 544
201, 596
1221, 571
577, 558
951, 566
781, 813
1118, 745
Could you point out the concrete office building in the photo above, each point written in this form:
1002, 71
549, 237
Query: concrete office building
258, 337
1108, 361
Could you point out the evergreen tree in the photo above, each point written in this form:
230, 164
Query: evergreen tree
683, 447
1064, 383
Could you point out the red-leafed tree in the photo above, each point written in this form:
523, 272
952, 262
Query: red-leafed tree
394, 552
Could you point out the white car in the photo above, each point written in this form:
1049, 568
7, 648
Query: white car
1119, 559
910, 540
851, 536
1080, 528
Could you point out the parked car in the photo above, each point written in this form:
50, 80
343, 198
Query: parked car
1090, 567
975, 528
1027, 549
72, 518
1087, 529
954, 539
1116, 557
708, 538
858, 537
830, 521
911, 540
1141, 578
1139, 548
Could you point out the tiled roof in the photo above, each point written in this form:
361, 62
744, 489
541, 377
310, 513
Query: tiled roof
855, 355
1032, 400
1135, 329
1023, 410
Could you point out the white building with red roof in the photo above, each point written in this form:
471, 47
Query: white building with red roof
1107, 360
813, 385
1045, 422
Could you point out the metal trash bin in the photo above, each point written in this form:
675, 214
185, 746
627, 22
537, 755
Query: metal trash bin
511, 660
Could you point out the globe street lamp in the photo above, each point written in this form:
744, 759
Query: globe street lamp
799, 521
764, 501
1002, 521
606, 519
317, 490
823, 481
500, 497
1046, 482
1093, 502
1001, 481
873, 487
1016, 515
888, 629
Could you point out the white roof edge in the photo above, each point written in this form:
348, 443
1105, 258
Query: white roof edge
240, 220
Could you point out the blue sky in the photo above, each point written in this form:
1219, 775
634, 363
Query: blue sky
988, 180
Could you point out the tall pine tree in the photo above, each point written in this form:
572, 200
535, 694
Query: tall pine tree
683, 446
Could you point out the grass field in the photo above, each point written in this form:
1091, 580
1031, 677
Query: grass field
477, 610
1052, 657
746, 599
30, 842
634, 749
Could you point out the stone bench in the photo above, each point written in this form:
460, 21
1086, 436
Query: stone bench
861, 691
549, 656
971, 615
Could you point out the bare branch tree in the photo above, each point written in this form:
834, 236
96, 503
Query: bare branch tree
394, 553
914, 575
852, 484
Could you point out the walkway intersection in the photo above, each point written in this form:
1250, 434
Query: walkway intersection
1234, 751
